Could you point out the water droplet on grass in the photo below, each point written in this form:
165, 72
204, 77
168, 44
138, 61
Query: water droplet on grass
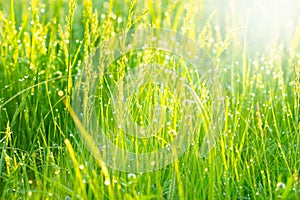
107, 182
279, 186
131, 176
60, 93
81, 167
68, 198
120, 20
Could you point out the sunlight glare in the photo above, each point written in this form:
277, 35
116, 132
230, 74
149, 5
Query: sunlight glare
269, 18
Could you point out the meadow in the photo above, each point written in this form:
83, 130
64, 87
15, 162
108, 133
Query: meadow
247, 92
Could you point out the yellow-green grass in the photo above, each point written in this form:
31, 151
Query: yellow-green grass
43, 45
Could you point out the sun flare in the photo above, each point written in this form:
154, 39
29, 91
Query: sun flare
272, 17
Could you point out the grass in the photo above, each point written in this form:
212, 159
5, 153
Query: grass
44, 45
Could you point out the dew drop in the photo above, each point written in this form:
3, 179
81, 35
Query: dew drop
107, 182
60, 93
81, 167
131, 176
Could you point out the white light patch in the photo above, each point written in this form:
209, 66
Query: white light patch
272, 18
276, 12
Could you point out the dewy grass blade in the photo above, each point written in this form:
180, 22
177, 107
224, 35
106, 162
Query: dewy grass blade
149, 99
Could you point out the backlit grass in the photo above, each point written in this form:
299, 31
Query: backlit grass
44, 45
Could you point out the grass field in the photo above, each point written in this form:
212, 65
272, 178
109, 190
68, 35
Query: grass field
49, 50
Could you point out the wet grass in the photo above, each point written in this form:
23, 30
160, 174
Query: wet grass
43, 46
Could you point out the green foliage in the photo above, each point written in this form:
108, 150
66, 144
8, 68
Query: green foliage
43, 45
